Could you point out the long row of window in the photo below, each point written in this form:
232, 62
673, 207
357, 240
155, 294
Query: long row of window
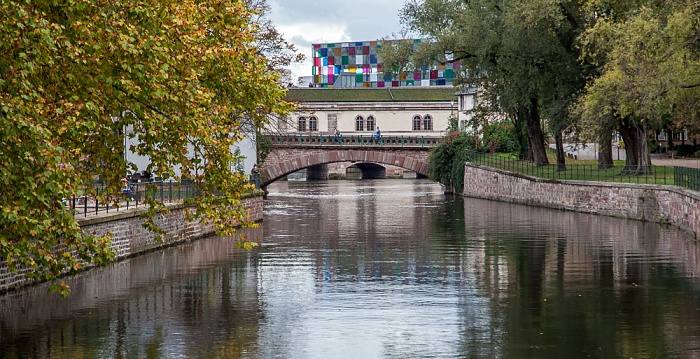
420, 123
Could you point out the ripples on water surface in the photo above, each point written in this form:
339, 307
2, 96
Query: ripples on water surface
382, 269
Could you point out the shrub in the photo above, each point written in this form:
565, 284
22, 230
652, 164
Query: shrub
686, 150
501, 137
446, 161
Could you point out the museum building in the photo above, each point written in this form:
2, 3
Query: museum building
356, 65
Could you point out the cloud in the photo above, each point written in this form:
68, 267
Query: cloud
304, 22
303, 35
315, 32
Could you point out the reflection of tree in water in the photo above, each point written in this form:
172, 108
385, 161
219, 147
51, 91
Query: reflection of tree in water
573, 283
141, 307
605, 281
447, 226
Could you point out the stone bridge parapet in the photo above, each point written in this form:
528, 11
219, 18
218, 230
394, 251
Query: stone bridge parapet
282, 161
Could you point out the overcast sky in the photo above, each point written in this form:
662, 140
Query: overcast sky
305, 22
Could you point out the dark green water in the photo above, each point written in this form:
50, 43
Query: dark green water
382, 269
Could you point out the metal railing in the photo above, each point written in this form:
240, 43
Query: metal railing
678, 176
290, 140
687, 177
132, 196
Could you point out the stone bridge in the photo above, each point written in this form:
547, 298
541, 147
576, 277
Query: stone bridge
291, 153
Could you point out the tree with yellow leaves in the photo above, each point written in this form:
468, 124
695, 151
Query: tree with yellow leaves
186, 72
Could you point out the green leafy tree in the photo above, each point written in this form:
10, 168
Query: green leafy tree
521, 55
649, 80
400, 55
184, 75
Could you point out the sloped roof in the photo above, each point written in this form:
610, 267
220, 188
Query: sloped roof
394, 94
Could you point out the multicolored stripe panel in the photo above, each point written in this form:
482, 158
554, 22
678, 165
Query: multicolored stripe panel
355, 64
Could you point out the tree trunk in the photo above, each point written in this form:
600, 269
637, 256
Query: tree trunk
644, 155
636, 148
561, 158
630, 142
535, 136
520, 133
605, 155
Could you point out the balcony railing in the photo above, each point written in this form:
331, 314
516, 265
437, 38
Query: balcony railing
293, 140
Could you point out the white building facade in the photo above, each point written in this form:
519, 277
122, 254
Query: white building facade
417, 111
466, 106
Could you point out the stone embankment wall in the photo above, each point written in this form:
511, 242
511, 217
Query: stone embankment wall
661, 204
130, 238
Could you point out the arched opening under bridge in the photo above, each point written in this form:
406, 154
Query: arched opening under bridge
372, 162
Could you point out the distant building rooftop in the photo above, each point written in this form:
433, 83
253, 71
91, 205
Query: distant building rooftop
395, 94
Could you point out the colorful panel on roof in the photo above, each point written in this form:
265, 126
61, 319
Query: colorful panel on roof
356, 64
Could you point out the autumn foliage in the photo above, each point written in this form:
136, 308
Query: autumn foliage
183, 74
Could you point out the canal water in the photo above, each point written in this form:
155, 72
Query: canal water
382, 269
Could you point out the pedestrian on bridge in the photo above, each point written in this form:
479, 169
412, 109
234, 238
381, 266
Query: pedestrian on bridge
336, 135
377, 135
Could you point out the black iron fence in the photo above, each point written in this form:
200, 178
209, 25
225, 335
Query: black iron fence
133, 195
687, 177
678, 176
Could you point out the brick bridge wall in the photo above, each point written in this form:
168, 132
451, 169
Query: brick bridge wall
284, 160
130, 238
661, 204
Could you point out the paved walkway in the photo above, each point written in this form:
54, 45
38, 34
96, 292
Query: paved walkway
590, 152
662, 160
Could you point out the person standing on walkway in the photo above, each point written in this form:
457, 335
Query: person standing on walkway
255, 176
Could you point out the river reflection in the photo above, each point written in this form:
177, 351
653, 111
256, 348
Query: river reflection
382, 269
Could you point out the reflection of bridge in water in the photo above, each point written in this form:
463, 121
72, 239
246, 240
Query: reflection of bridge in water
291, 153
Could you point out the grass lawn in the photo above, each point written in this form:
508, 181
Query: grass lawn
578, 170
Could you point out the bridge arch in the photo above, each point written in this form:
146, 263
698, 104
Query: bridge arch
281, 162
368, 169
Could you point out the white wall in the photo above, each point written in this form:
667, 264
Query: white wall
466, 105
247, 148
131, 139
394, 119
